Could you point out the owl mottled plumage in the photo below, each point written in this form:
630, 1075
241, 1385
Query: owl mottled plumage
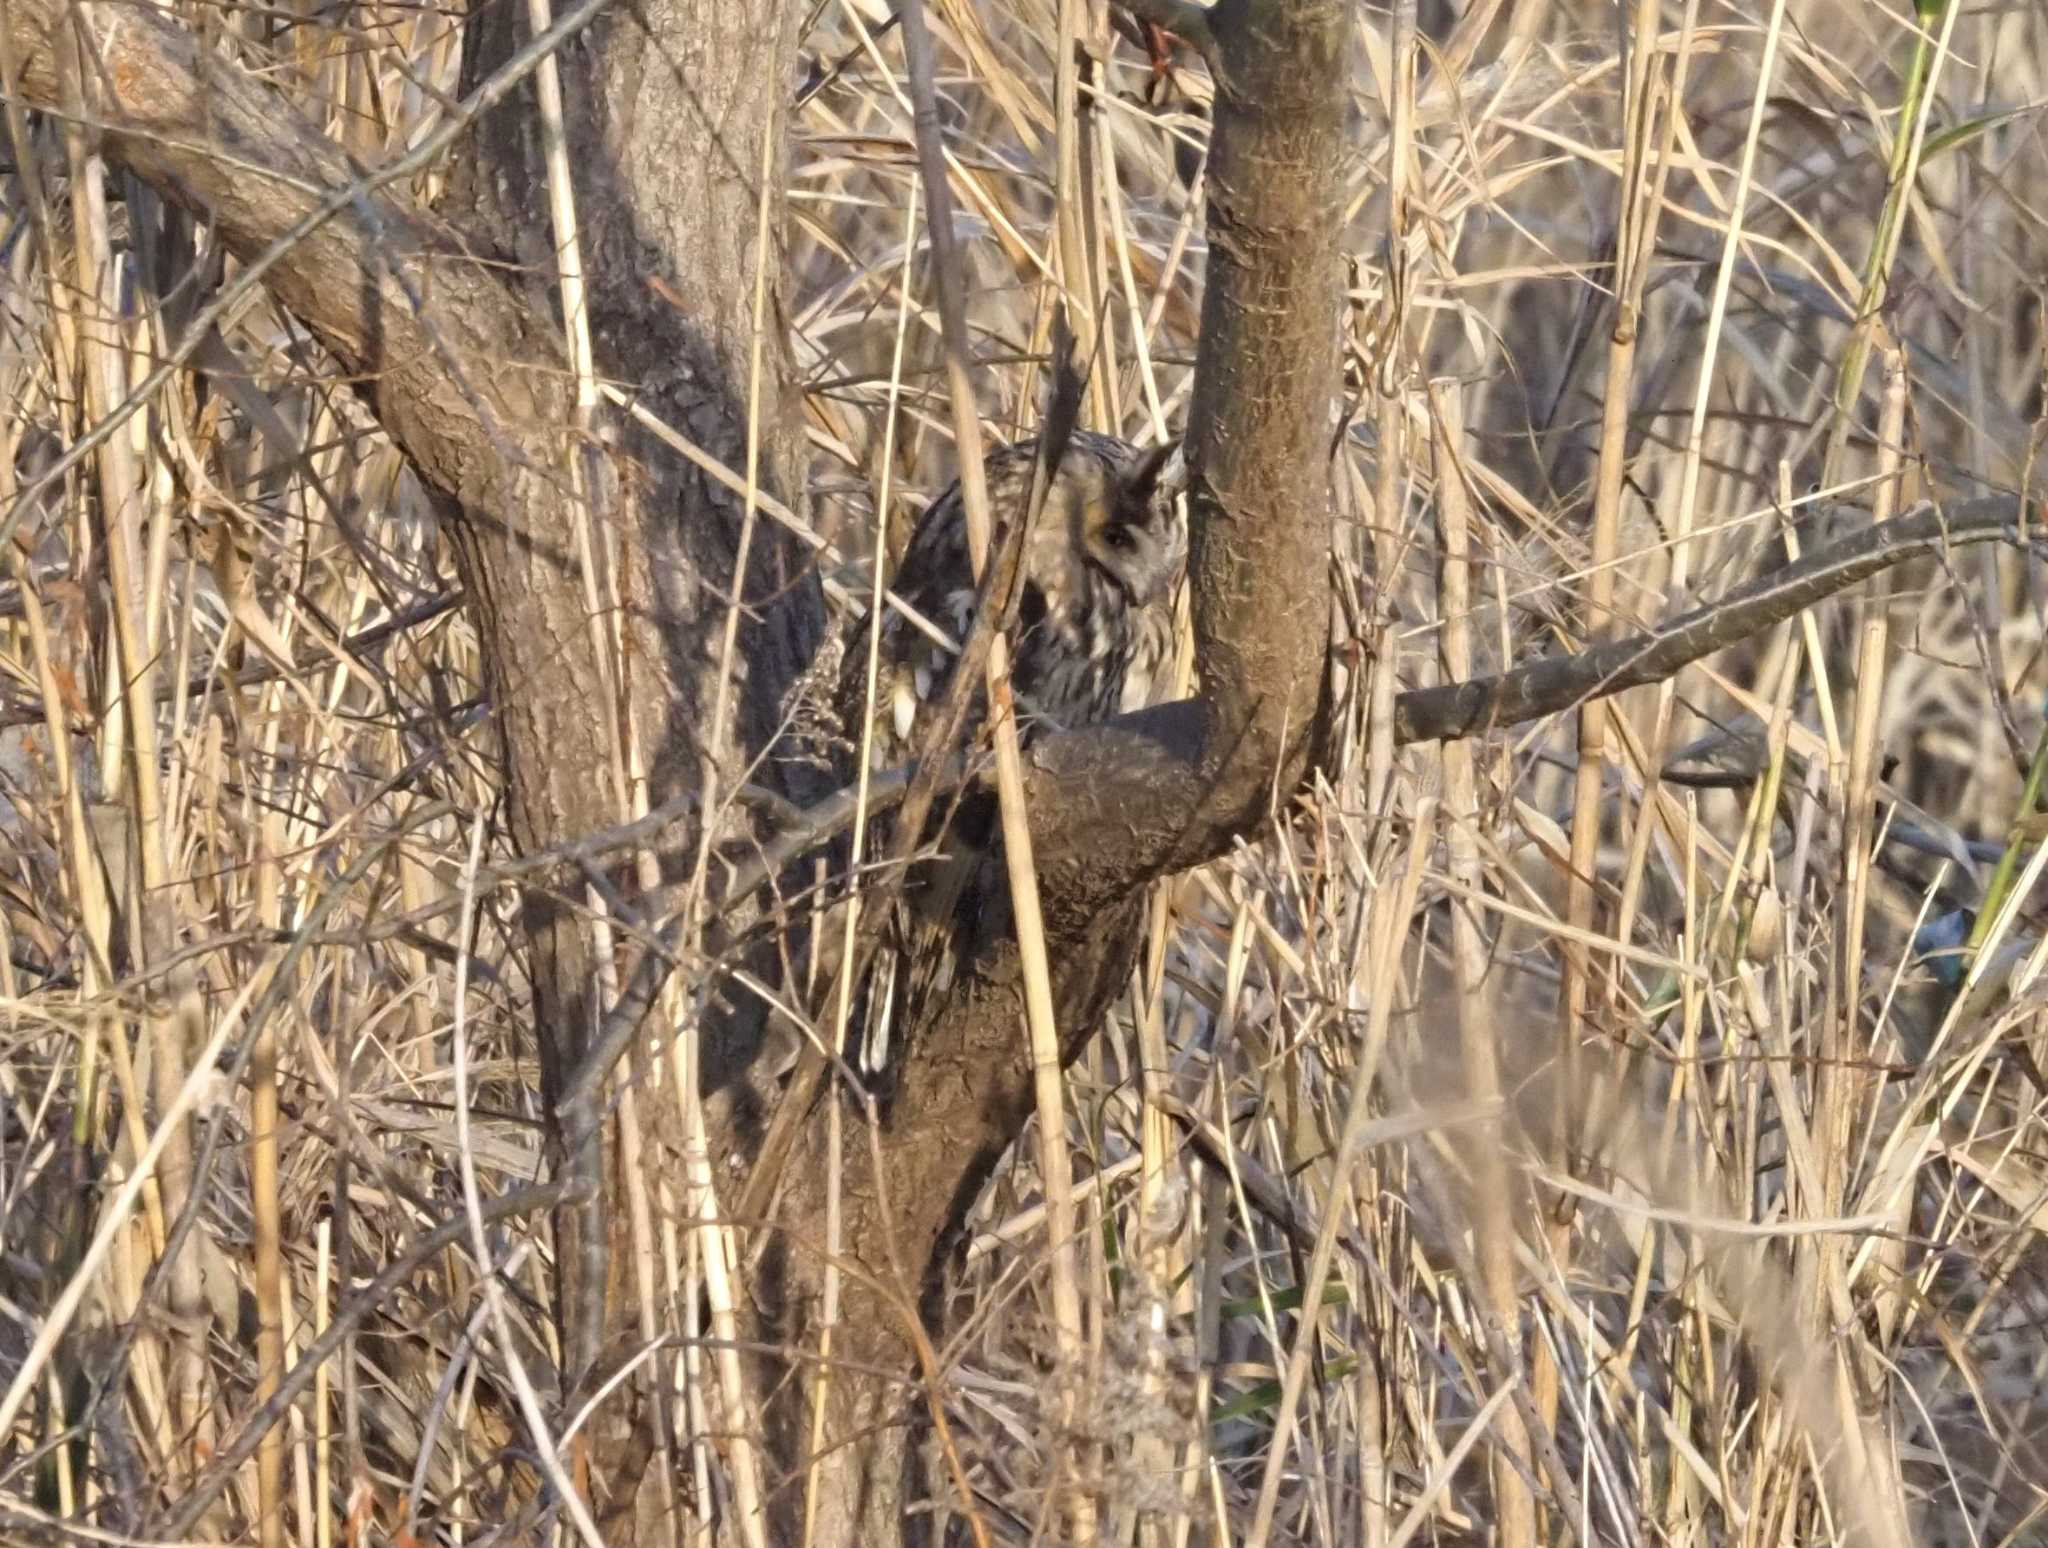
1093, 638
1094, 628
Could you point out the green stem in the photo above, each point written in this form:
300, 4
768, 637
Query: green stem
2016, 842
1899, 177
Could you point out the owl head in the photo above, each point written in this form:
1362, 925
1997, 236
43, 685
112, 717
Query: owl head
1137, 534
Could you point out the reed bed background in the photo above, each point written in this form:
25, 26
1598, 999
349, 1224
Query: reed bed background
1768, 1210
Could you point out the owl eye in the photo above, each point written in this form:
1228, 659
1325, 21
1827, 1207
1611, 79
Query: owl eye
1119, 537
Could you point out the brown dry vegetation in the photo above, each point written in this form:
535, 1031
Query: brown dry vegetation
1509, 1022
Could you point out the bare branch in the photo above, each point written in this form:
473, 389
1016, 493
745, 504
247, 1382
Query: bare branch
1561, 682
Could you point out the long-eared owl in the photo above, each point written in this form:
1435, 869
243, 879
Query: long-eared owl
1093, 638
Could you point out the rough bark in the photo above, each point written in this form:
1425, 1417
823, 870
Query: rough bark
671, 105
675, 139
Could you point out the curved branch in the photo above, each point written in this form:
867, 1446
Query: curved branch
1118, 804
1124, 803
1564, 682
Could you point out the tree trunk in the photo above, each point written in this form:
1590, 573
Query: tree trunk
671, 107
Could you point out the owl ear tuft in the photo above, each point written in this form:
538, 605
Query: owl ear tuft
1163, 470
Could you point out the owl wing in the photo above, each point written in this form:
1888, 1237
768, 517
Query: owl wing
1148, 679
926, 926
937, 580
936, 577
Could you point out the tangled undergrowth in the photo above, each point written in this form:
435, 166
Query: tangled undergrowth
1640, 1024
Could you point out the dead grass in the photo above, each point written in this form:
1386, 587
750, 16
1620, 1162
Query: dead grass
1770, 1217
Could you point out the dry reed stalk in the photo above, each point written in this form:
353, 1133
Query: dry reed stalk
1634, 243
321, 1527
1055, 1169
1077, 249
1839, 1088
842, 1006
1493, 1191
1634, 248
545, 1446
132, 729
599, 564
1869, 294
1390, 373
1164, 1219
265, 1118
633, 1165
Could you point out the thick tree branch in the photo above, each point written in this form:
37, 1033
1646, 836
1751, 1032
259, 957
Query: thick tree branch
1265, 384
